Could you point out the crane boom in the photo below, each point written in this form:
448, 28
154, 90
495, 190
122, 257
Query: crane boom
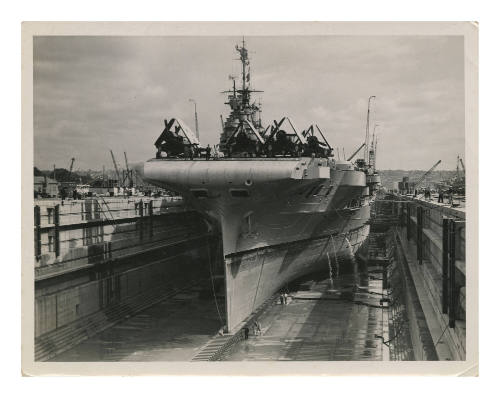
355, 153
419, 181
116, 167
463, 166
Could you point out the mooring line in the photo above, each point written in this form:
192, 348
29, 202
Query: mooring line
258, 283
212, 280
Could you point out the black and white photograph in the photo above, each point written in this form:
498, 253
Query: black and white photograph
250, 193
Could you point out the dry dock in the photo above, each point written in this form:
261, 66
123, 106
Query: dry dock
99, 261
130, 279
172, 330
406, 300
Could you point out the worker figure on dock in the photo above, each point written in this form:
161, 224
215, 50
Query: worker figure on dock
427, 194
257, 328
440, 196
208, 152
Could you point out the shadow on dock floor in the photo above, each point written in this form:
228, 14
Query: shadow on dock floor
173, 330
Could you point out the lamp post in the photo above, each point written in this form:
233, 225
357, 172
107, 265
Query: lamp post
195, 118
367, 129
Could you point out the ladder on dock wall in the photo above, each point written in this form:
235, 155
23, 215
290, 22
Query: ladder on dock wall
111, 218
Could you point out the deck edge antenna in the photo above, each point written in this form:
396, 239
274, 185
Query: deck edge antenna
371, 153
195, 118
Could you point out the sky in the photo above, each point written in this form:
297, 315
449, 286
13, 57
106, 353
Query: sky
93, 94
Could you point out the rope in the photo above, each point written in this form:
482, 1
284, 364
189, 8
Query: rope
212, 280
396, 335
330, 269
442, 334
337, 268
258, 283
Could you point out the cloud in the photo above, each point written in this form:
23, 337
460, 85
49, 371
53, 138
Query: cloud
96, 93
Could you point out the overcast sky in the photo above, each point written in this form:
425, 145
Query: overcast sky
92, 94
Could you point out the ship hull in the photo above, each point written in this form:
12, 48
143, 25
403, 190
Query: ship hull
253, 277
279, 219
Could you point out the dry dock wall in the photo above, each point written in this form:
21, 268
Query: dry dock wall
112, 260
431, 239
76, 234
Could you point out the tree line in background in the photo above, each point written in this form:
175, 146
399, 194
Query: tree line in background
63, 175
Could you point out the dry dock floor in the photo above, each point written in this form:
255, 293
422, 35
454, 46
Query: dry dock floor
173, 330
318, 324
321, 325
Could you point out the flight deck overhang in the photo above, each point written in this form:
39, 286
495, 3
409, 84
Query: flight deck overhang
241, 171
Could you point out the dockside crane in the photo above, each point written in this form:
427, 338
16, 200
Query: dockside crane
460, 163
130, 182
421, 179
71, 168
458, 185
116, 167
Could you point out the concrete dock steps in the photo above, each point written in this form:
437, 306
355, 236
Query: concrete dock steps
55, 342
215, 345
216, 348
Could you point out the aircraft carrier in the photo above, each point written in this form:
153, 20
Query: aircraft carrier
282, 201
275, 249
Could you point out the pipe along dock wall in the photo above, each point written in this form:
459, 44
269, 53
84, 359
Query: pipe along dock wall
97, 262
